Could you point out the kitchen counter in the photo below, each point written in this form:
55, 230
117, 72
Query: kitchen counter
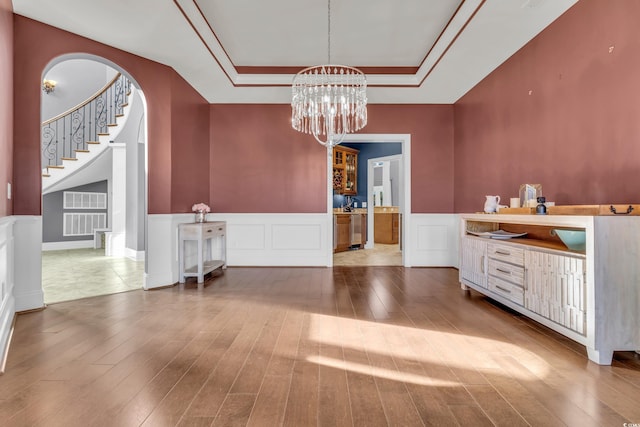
385, 209
354, 211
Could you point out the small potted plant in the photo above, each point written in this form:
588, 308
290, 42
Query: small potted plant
201, 210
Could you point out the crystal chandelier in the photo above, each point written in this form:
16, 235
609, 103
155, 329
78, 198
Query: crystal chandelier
329, 101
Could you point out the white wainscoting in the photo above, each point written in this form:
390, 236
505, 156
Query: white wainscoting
20, 271
291, 240
278, 239
252, 240
7, 300
434, 240
27, 246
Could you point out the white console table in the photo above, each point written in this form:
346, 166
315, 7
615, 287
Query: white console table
203, 234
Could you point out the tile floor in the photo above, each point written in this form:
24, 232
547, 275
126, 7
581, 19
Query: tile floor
381, 254
81, 273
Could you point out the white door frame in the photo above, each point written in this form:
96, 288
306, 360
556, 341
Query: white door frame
405, 141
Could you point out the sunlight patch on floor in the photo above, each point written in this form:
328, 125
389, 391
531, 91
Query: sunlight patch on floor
405, 377
414, 344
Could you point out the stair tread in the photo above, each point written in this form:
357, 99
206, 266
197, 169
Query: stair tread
112, 124
69, 158
55, 167
45, 175
82, 151
119, 115
103, 134
93, 142
124, 105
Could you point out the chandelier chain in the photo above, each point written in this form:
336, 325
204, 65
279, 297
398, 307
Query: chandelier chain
329, 32
329, 101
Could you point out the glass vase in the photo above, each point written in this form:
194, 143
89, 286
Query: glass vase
201, 216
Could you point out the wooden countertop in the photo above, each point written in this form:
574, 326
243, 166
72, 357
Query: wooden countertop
355, 211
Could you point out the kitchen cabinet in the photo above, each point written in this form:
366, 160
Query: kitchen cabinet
345, 170
590, 296
349, 230
386, 227
341, 232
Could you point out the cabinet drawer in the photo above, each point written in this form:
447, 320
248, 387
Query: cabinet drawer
203, 230
213, 230
506, 289
509, 272
507, 253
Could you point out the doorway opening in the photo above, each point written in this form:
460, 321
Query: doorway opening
94, 199
385, 240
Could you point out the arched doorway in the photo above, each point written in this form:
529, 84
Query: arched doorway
94, 212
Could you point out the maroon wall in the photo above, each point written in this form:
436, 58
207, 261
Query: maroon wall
172, 121
431, 129
260, 164
6, 104
190, 146
562, 112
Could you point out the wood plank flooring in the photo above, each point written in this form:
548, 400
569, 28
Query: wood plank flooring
342, 346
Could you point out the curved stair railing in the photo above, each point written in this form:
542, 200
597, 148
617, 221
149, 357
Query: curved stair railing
72, 131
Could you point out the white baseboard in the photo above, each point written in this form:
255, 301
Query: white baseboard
133, 254
73, 244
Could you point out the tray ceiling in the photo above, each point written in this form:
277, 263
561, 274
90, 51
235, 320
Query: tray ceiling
247, 51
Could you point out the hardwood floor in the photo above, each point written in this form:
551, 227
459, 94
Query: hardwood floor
363, 346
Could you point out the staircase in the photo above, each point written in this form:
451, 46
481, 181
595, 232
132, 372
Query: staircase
72, 140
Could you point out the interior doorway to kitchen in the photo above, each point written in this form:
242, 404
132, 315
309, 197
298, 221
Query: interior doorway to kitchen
386, 157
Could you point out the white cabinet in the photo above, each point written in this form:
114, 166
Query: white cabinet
555, 288
506, 271
590, 296
473, 261
206, 256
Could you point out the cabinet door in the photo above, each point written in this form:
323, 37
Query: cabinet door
343, 232
473, 261
351, 173
555, 288
338, 157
